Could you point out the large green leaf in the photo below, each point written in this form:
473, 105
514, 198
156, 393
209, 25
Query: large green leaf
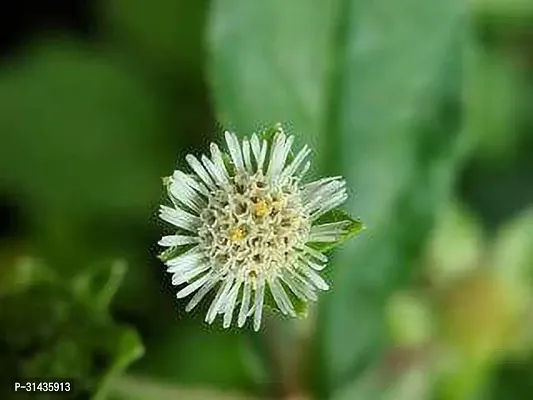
355, 78
268, 62
389, 257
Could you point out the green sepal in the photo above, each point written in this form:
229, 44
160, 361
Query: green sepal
228, 163
270, 132
355, 227
300, 306
173, 252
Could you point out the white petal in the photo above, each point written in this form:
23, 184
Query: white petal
315, 266
198, 186
234, 149
179, 218
283, 159
187, 290
293, 166
303, 283
304, 170
262, 156
259, 151
309, 188
247, 156
232, 298
183, 193
298, 286
216, 155
277, 157
315, 253
219, 300
314, 277
177, 240
206, 288
320, 238
199, 169
324, 194
185, 261
243, 312
251, 310
258, 303
179, 278
215, 172
281, 298
328, 205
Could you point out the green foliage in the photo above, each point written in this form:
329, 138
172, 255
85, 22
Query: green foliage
62, 330
264, 68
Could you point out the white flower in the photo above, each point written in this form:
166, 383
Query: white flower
248, 226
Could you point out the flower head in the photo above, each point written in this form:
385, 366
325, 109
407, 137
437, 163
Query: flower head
246, 224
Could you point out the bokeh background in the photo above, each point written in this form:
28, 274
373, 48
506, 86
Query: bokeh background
425, 106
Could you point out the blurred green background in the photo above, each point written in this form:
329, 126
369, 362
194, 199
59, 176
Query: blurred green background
425, 106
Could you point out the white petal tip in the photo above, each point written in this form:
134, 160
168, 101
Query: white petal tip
228, 135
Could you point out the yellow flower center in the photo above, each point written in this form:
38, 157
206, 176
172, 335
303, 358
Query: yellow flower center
237, 234
261, 209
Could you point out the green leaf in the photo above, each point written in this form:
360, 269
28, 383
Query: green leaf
264, 67
373, 86
354, 228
